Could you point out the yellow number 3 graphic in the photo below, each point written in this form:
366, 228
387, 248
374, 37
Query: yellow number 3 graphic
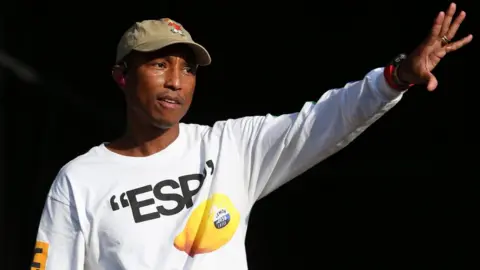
40, 256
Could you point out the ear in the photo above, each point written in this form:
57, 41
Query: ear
118, 74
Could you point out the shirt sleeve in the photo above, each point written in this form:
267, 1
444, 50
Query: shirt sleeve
60, 243
277, 149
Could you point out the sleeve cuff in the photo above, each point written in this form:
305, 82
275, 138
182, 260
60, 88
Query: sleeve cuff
383, 88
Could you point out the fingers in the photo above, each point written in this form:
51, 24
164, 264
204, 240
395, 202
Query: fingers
443, 26
456, 24
448, 19
437, 24
458, 44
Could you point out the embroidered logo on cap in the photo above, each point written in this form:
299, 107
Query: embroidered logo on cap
174, 26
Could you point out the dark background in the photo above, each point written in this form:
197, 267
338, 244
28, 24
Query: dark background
398, 195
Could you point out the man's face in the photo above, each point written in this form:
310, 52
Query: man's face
159, 86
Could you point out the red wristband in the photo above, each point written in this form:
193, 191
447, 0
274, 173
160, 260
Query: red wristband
389, 77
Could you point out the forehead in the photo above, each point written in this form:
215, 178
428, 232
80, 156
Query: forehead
178, 50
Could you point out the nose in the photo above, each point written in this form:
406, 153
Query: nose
172, 80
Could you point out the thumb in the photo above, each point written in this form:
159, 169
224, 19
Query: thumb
432, 82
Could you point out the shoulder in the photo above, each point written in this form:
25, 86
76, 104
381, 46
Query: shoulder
62, 188
85, 161
219, 128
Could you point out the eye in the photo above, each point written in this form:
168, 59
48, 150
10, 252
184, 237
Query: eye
192, 69
160, 65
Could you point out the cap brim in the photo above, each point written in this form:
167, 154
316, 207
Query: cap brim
201, 54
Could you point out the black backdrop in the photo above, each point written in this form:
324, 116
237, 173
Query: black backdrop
396, 196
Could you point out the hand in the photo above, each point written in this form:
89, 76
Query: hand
417, 68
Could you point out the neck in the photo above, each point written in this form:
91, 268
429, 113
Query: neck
144, 140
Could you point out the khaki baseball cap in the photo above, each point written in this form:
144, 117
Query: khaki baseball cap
152, 35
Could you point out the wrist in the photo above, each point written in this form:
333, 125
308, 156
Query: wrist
400, 77
394, 76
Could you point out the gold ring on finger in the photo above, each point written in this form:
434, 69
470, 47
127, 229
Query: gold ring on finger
445, 40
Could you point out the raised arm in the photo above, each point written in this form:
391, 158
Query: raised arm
277, 149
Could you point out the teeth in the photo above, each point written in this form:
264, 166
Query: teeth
169, 101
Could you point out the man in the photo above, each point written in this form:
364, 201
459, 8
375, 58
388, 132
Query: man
169, 195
